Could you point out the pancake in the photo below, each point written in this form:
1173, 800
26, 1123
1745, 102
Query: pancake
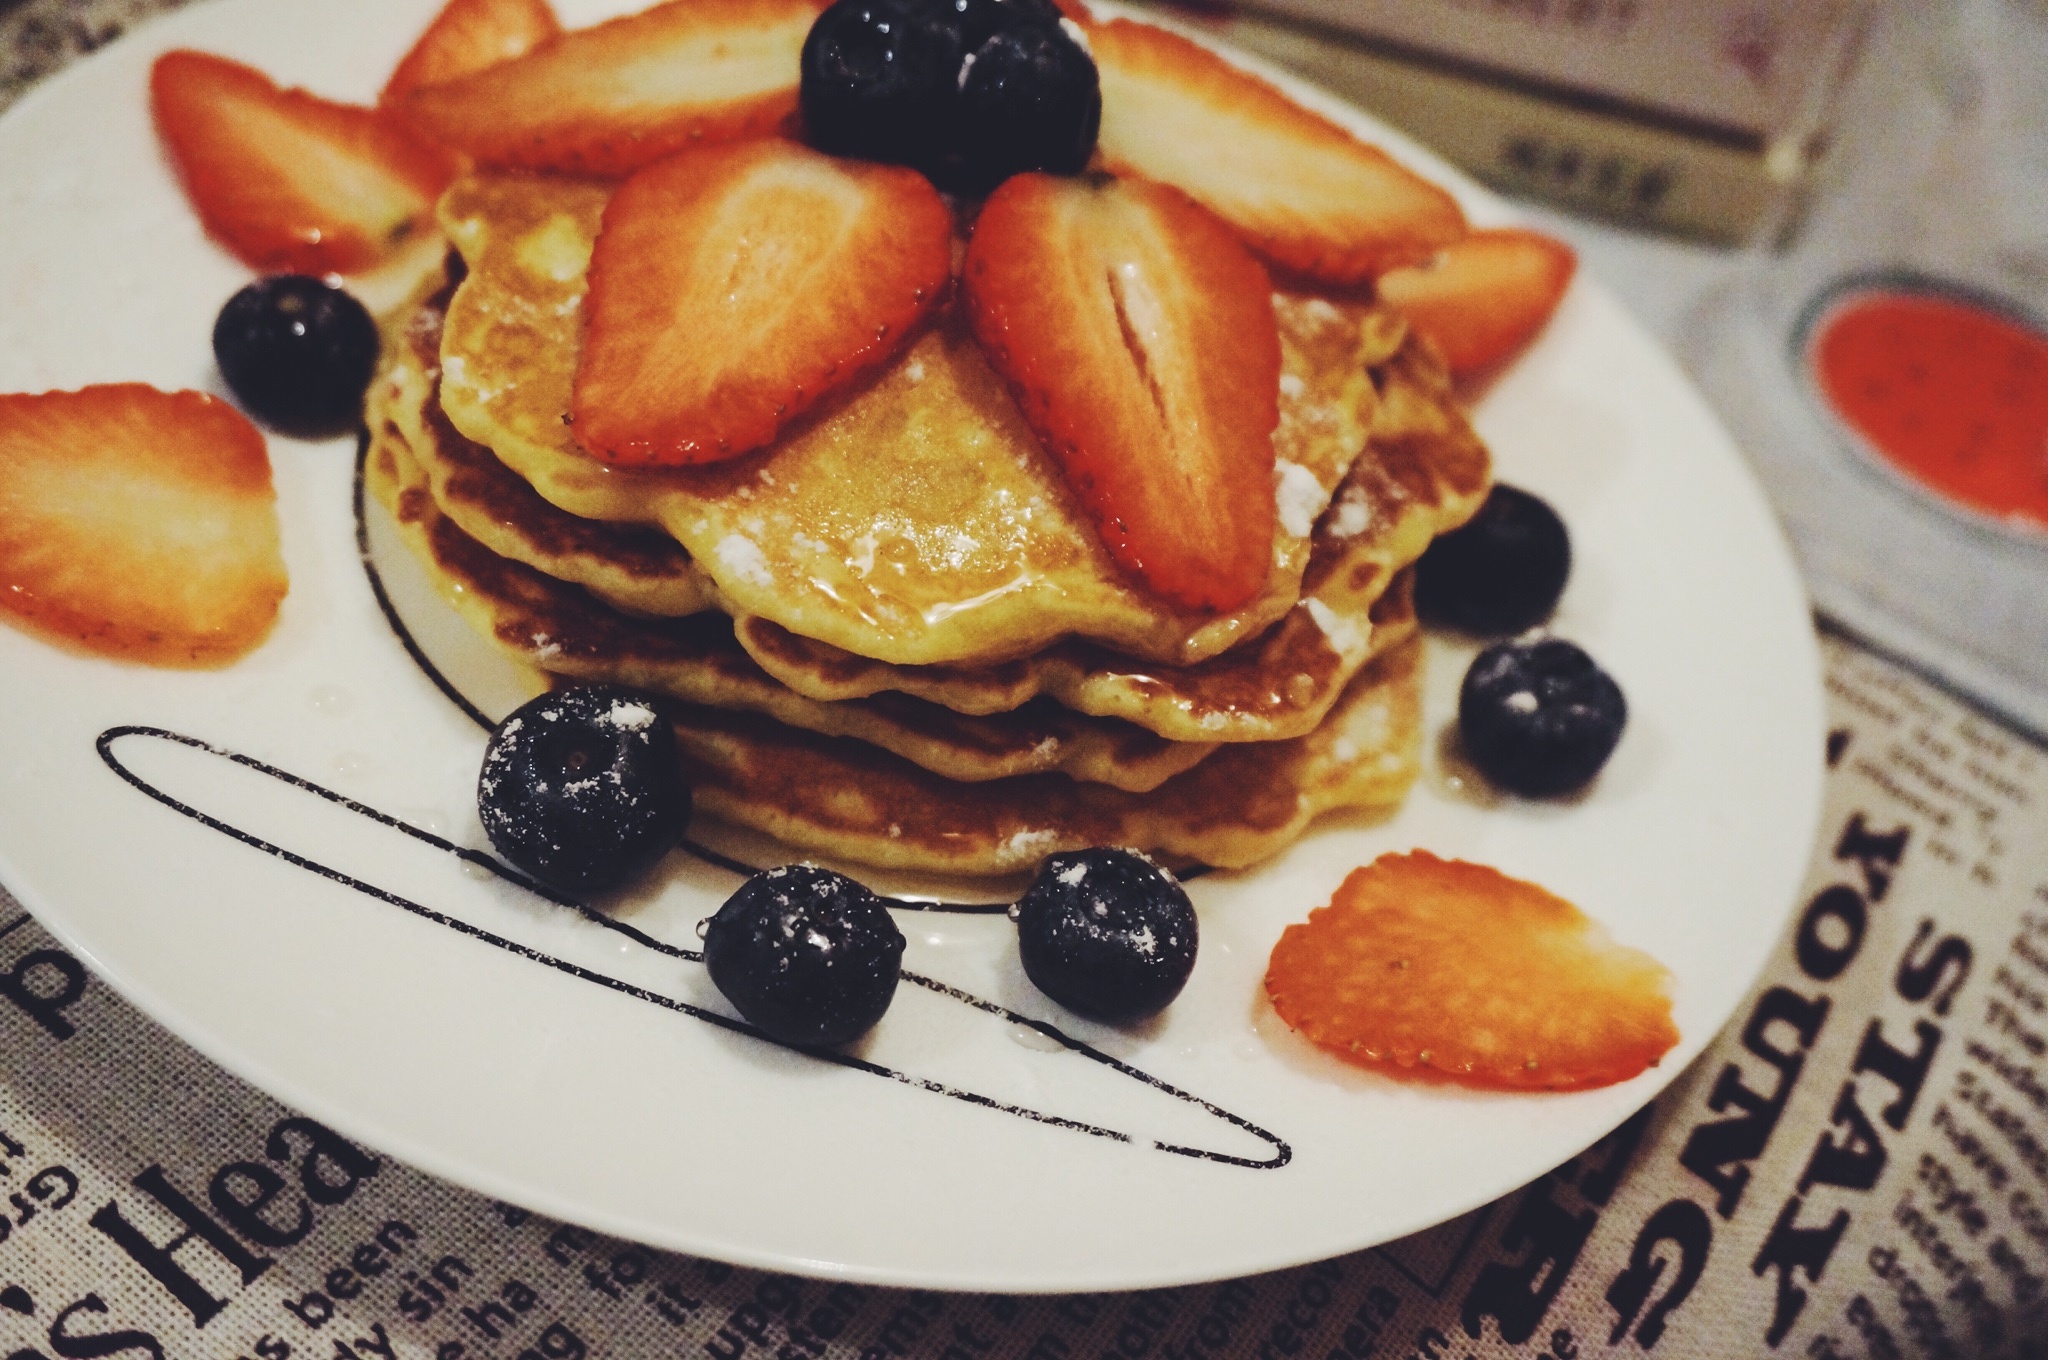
1244, 804
915, 520
633, 566
560, 629
1424, 472
845, 797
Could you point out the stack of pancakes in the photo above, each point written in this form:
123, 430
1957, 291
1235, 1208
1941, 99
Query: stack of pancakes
892, 635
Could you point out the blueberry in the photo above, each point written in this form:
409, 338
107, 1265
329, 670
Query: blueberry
808, 955
1106, 933
297, 353
1029, 99
1539, 718
878, 79
583, 788
1501, 572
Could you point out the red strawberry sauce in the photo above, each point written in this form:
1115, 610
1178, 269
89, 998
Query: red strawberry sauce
1948, 392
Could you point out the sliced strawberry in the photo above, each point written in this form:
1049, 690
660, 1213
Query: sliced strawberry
138, 524
470, 36
613, 98
285, 180
1138, 338
1302, 191
733, 287
1469, 975
1484, 297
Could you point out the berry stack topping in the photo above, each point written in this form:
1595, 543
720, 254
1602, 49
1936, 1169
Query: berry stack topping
968, 91
1481, 299
733, 287
1502, 571
1106, 933
1303, 192
470, 36
297, 353
582, 788
1466, 974
617, 96
286, 180
1539, 718
138, 524
808, 955
1137, 335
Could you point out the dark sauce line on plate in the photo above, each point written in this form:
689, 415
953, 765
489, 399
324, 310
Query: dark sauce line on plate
1282, 1153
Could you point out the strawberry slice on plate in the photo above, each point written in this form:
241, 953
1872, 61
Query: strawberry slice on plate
470, 36
734, 286
1483, 298
1302, 191
1137, 335
1432, 967
613, 98
137, 524
287, 180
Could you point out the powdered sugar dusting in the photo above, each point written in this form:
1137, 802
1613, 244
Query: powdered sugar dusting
1298, 497
630, 715
1352, 518
1026, 846
1345, 637
743, 558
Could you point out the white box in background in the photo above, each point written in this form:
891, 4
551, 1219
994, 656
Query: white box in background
1730, 66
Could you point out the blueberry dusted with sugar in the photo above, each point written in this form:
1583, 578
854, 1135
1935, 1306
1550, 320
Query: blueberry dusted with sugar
1539, 718
583, 788
1500, 572
808, 955
297, 353
1106, 933
1030, 99
878, 79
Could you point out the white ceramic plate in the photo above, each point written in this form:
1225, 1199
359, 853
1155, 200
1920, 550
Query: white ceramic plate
572, 1069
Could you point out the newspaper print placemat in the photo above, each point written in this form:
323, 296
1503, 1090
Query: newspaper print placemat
1857, 1168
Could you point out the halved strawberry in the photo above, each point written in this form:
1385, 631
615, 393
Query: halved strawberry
470, 36
138, 524
1302, 191
1469, 975
1138, 338
613, 98
733, 287
284, 179
1483, 298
